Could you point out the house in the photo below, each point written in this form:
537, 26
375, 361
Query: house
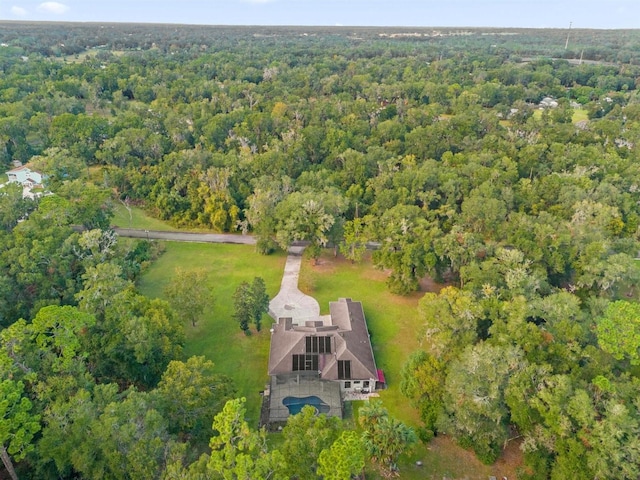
548, 102
29, 179
319, 362
25, 176
334, 348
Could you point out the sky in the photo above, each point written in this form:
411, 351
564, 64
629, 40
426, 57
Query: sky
427, 13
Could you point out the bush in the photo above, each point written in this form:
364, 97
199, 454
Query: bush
266, 246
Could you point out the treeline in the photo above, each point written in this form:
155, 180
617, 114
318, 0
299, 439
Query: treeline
64, 39
435, 148
311, 143
94, 382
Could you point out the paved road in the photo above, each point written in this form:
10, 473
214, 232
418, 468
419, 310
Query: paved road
186, 236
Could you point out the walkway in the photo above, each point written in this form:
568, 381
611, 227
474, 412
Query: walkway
291, 302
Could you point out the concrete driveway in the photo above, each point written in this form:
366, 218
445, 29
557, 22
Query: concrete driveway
291, 302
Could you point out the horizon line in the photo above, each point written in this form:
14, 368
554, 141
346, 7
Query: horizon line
486, 27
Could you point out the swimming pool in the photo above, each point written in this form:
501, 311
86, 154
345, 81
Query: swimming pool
295, 404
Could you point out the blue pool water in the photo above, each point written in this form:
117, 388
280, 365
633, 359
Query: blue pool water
295, 404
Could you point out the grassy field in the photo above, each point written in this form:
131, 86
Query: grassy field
139, 219
142, 220
393, 323
579, 115
394, 326
217, 336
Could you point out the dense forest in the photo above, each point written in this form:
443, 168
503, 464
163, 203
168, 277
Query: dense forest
502, 162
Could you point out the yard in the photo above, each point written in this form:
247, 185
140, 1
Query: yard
392, 320
394, 326
138, 219
217, 336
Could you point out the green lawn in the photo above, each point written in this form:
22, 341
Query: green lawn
217, 336
579, 115
394, 326
142, 220
139, 219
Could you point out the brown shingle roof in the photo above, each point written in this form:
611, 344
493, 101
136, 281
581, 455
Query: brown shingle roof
18, 169
349, 339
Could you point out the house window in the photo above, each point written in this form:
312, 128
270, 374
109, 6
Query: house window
344, 369
304, 362
365, 384
347, 384
356, 382
318, 344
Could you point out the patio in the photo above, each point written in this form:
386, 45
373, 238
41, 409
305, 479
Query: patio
288, 393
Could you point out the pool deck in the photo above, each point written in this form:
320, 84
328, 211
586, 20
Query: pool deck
301, 386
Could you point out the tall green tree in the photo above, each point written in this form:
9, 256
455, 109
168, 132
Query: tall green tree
355, 240
190, 394
13, 206
259, 301
422, 381
140, 337
405, 236
101, 283
306, 436
477, 414
450, 320
189, 294
344, 459
237, 451
260, 212
312, 216
384, 437
243, 306
618, 331
18, 424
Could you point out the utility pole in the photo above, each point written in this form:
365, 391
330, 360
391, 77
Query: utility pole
566, 45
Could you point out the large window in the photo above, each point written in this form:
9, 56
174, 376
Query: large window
305, 362
318, 344
344, 369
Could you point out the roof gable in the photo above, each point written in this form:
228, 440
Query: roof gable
350, 341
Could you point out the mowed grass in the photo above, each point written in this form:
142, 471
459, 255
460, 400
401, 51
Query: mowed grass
579, 115
141, 220
217, 335
395, 327
138, 219
393, 322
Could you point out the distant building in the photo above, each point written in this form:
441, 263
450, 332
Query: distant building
29, 179
25, 176
548, 102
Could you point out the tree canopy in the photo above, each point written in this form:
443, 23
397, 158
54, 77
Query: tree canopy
493, 160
